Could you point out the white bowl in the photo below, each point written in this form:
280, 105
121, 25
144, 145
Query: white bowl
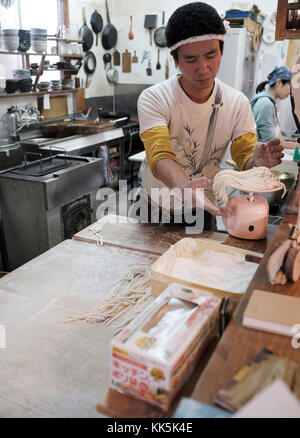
37, 30
10, 32
38, 37
10, 38
39, 47
2, 85
10, 44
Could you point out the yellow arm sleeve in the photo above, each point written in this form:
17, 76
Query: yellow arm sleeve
157, 146
242, 149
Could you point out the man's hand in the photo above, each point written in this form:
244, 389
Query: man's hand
200, 200
268, 155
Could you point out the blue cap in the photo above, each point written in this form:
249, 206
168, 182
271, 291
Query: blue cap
284, 73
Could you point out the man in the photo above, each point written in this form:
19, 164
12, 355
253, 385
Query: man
187, 121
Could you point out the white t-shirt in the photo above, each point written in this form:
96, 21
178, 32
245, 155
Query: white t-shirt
199, 133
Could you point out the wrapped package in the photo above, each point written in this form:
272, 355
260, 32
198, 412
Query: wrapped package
153, 356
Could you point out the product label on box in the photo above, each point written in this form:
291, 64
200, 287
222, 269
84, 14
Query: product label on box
146, 381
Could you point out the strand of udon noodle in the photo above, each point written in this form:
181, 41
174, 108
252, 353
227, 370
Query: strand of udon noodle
252, 180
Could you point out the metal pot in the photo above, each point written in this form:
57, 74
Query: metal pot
288, 179
112, 75
275, 198
11, 154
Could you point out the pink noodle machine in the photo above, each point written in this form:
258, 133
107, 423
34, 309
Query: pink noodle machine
249, 218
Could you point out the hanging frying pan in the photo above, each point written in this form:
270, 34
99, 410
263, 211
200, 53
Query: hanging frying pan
86, 34
89, 65
109, 34
96, 23
160, 34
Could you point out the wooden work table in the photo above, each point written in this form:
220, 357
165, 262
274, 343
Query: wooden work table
51, 368
239, 344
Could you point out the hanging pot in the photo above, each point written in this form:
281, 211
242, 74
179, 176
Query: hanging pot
112, 75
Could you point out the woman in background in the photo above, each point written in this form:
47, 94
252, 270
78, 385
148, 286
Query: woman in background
264, 108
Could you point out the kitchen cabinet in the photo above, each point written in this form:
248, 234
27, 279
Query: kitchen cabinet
288, 20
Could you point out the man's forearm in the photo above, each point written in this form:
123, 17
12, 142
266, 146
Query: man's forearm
170, 173
250, 163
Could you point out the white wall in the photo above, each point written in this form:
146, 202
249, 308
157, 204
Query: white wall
120, 11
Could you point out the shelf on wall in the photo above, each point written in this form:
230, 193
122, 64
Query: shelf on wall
293, 6
39, 93
63, 40
62, 55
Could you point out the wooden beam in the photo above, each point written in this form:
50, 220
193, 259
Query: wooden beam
282, 10
65, 10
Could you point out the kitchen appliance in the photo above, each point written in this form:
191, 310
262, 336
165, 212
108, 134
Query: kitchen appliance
46, 201
249, 216
238, 62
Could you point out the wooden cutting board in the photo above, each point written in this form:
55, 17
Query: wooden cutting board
126, 62
77, 127
80, 103
117, 58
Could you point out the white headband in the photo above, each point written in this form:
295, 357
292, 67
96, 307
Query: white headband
195, 39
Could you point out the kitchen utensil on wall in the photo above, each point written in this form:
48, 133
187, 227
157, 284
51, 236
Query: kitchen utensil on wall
167, 69
126, 62
149, 69
134, 58
269, 35
160, 34
86, 34
158, 66
89, 65
117, 58
106, 59
150, 23
112, 75
130, 35
96, 23
146, 55
109, 34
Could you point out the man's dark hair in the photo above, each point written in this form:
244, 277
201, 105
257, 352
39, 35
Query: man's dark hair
192, 20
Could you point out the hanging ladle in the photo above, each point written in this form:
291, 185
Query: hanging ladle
106, 59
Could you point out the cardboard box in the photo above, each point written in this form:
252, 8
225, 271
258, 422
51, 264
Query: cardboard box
154, 355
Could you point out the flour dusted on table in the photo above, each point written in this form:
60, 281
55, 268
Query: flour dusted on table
226, 271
